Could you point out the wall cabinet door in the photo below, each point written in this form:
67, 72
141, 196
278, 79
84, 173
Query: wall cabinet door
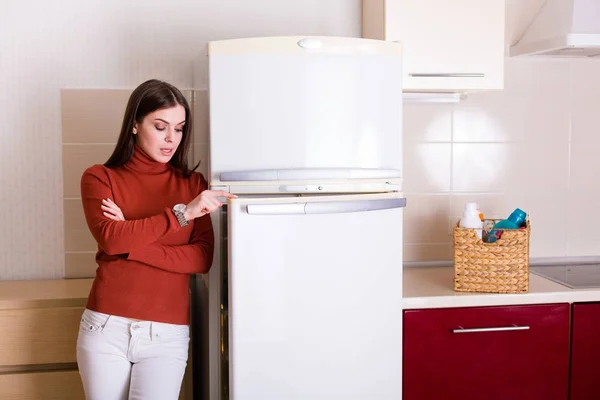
492, 353
456, 45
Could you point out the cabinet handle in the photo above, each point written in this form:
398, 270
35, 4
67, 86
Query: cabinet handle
447, 75
460, 329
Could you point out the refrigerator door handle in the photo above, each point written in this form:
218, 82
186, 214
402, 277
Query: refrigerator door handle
325, 207
276, 209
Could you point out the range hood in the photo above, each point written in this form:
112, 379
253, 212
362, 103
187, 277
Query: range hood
562, 28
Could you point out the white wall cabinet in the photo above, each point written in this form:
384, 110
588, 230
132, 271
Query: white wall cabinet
449, 46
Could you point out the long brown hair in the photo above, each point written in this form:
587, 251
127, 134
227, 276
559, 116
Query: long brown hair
148, 97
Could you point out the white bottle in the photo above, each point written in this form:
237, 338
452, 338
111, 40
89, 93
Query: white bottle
471, 219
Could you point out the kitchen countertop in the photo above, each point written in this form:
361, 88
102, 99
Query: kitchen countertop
433, 287
44, 293
423, 287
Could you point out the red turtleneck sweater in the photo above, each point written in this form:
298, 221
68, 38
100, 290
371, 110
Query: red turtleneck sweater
145, 262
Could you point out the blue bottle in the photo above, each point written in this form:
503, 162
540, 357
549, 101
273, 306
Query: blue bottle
514, 221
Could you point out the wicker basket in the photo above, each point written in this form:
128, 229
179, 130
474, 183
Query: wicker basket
500, 267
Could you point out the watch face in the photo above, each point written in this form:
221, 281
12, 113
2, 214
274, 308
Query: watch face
179, 207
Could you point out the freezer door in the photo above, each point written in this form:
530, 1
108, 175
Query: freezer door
283, 103
315, 289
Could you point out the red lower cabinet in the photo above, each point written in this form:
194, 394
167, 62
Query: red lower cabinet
487, 353
585, 352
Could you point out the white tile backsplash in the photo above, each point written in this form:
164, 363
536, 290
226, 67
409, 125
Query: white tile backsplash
426, 223
426, 167
534, 145
481, 167
425, 123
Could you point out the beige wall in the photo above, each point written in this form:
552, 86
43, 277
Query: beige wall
49, 46
91, 120
543, 123
534, 145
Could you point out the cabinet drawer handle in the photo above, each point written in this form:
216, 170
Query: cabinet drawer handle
448, 75
460, 329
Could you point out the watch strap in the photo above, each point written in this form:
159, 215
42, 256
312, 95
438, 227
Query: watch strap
180, 216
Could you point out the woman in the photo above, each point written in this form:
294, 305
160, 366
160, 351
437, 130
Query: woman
149, 214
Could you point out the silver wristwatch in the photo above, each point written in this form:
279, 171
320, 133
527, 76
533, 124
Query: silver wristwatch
179, 211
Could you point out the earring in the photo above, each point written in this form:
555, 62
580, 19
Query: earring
134, 132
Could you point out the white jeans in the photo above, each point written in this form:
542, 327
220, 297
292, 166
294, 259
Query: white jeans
121, 359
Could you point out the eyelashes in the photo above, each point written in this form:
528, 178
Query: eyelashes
162, 128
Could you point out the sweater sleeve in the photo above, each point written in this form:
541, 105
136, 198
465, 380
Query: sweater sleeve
193, 258
119, 237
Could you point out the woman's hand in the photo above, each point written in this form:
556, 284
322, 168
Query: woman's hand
206, 203
112, 211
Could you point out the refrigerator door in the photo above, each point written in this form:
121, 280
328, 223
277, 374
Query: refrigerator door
297, 102
315, 290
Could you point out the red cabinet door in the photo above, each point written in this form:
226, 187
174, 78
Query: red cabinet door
585, 352
491, 353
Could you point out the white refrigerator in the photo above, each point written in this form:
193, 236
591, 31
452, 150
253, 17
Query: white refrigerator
306, 287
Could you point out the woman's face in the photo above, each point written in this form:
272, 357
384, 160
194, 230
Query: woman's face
160, 133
